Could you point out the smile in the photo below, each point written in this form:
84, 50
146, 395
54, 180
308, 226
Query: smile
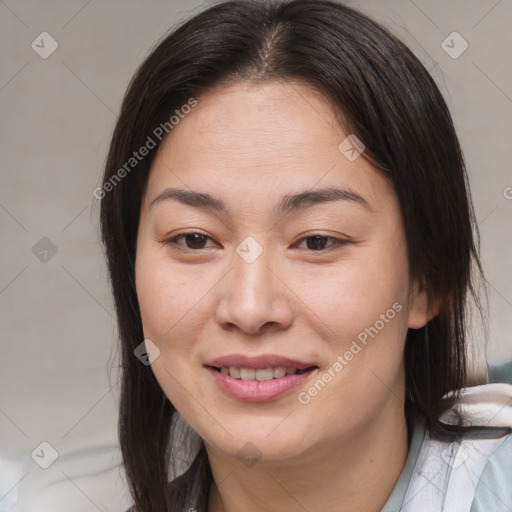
258, 385
260, 374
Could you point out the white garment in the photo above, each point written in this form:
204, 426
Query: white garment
447, 474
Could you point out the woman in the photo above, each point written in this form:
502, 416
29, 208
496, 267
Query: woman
289, 237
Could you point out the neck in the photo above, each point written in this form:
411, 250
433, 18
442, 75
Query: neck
351, 475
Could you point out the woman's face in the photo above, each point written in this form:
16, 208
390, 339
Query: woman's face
251, 278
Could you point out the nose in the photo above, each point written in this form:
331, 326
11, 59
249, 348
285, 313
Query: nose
254, 298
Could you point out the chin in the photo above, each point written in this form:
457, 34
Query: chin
265, 440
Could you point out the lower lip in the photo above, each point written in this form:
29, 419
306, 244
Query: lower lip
255, 390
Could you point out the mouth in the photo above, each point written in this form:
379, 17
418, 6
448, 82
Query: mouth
261, 374
258, 379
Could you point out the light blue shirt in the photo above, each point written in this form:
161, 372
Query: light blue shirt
493, 491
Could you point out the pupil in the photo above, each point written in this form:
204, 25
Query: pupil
196, 239
317, 239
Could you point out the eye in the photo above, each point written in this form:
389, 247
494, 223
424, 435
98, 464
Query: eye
197, 241
192, 240
317, 243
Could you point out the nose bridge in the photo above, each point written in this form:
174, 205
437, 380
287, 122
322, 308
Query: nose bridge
252, 295
253, 277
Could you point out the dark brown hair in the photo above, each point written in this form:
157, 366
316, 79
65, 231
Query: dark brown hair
387, 99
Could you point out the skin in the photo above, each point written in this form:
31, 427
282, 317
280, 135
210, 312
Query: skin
250, 145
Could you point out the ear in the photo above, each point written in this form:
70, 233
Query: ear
421, 309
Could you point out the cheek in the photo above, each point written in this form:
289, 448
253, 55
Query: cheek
167, 301
360, 309
361, 312
157, 306
352, 296
167, 297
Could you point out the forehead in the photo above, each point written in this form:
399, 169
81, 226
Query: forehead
270, 119
261, 140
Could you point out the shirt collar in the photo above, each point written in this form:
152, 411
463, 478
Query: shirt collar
396, 498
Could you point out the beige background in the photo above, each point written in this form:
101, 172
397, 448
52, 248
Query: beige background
58, 331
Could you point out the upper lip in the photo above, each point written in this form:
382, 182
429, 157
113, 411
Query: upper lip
262, 361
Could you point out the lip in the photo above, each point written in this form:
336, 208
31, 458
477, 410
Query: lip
262, 361
253, 390
258, 391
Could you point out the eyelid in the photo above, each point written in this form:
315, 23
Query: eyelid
173, 240
337, 241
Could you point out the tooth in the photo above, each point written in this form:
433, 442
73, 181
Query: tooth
234, 372
279, 371
264, 374
260, 374
247, 373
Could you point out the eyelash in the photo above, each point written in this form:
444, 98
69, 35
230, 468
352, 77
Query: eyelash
174, 241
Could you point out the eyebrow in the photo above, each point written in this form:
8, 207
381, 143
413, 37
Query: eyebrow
288, 203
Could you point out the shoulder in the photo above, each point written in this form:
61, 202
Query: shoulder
472, 471
494, 489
